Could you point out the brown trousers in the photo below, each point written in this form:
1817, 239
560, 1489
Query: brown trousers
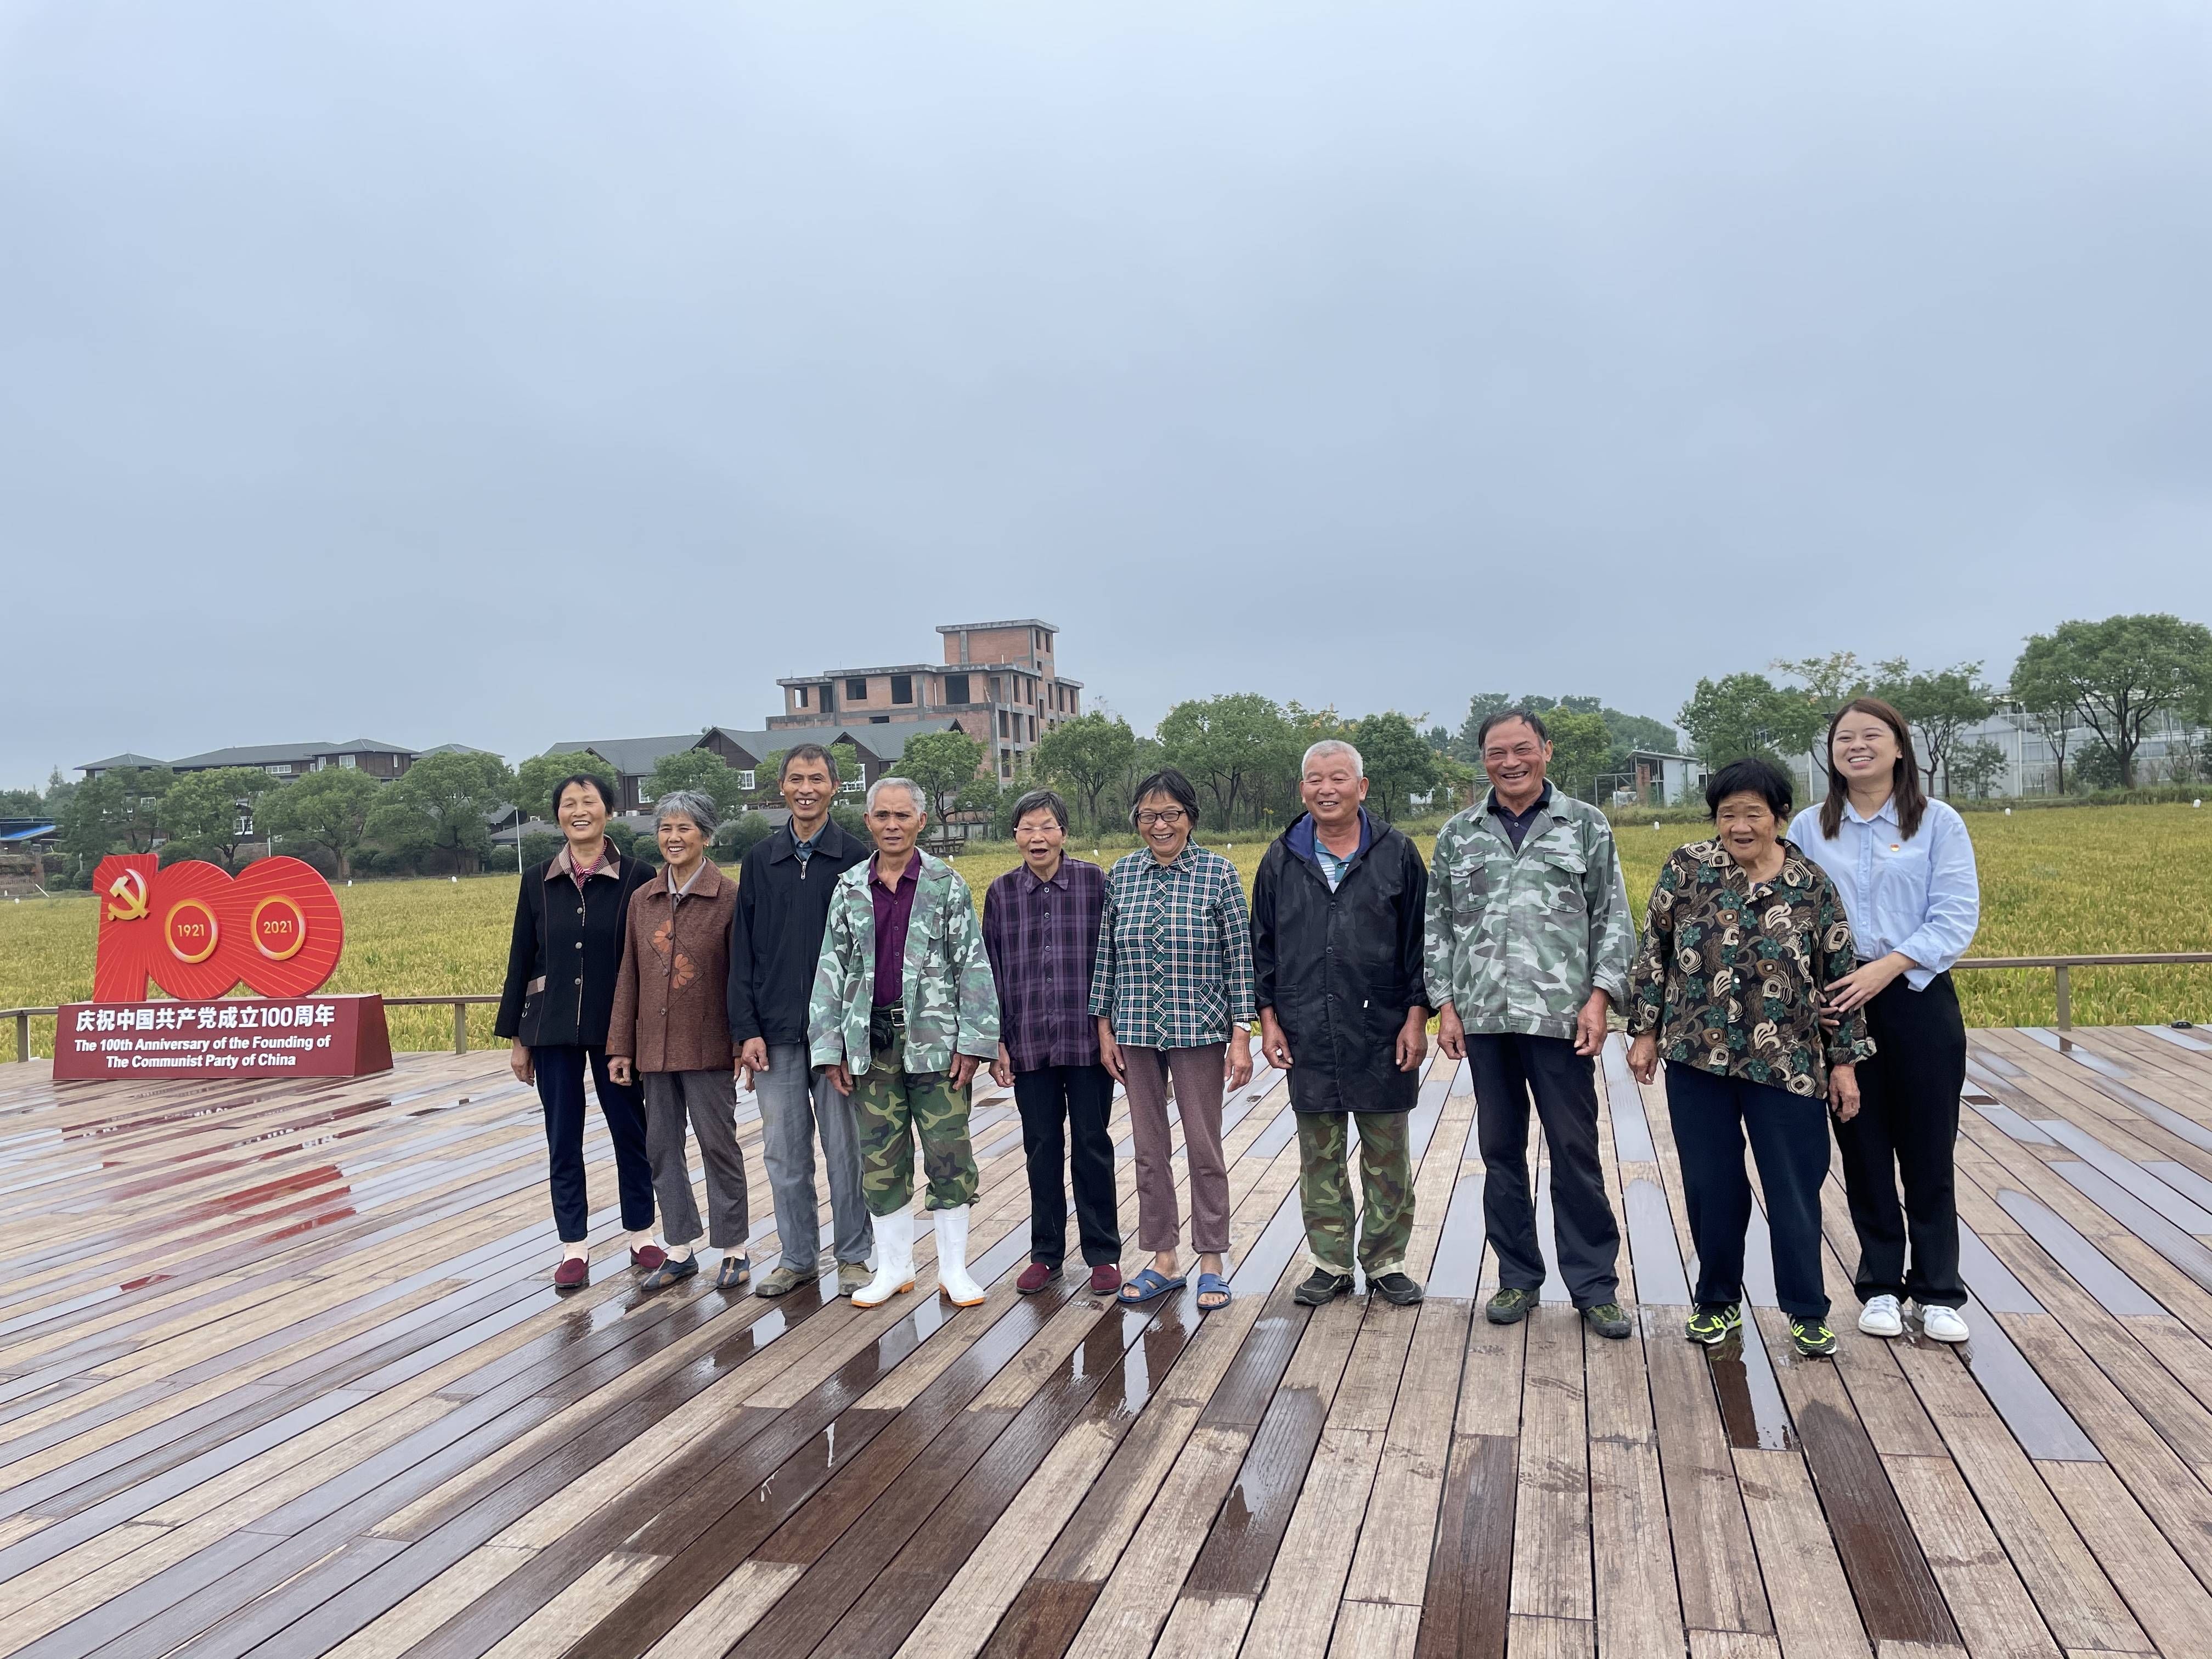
1197, 1073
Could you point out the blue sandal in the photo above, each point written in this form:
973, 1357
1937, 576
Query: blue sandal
1150, 1284
1212, 1285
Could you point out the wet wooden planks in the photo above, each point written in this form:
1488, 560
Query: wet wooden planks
282, 1373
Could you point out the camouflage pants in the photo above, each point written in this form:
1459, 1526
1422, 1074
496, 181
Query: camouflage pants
1386, 1190
893, 1105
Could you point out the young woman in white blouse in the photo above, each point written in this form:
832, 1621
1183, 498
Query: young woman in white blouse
1905, 867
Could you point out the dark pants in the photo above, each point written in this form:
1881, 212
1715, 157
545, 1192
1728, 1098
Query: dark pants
560, 1087
1907, 1121
1064, 1111
1790, 1138
1507, 1070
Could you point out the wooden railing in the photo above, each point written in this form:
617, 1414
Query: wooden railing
2061, 967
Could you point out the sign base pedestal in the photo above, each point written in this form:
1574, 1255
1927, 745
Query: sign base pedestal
222, 1037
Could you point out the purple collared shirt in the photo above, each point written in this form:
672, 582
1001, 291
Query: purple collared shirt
894, 910
1043, 937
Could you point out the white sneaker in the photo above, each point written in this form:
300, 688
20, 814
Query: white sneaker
952, 1278
1942, 1324
894, 1260
1879, 1317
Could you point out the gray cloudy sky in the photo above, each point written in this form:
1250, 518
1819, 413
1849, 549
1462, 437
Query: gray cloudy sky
508, 373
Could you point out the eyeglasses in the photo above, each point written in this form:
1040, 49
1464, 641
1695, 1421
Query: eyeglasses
1166, 820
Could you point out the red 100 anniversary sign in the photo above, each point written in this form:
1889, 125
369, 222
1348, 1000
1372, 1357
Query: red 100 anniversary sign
196, 933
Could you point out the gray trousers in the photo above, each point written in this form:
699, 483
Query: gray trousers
710, 1099
795, 1103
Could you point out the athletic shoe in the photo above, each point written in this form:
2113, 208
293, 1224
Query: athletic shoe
1879, 1317
1942, 1324
1711, 1322
735, 1270
1321, 1287
1510, 1306
1812, 1337
1403, 1289
1609, 1319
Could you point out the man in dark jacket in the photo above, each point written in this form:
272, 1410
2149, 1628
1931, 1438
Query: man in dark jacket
775, 938
1336, 949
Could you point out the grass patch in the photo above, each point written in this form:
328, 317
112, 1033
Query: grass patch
2103, 879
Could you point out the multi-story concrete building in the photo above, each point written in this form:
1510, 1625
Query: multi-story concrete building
999, 682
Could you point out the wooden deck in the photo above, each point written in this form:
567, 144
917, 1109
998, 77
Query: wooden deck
282, 1372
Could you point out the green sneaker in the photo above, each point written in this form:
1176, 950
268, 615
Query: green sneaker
1609, 1319
1711, 1322
1510, 1306
1812, 1337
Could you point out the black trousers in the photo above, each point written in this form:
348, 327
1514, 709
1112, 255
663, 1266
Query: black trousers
560, 1088
1907, 1121
1790, 1138
1507, 1070
1064, 1111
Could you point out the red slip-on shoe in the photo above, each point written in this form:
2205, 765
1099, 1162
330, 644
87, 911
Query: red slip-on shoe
573, 1275
646, 1260
1105, 1278
1036, 1277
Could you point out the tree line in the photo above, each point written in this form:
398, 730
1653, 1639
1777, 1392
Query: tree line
2095, 690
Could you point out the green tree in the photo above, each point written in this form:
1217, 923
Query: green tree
1087, 755
328, 809
699, 770
535, 778
440, 806
1939, 705
117, 813
1581, 747
942, 764
2117, 676
1399, 762
1974, 768
210, 815
1480, 707
1231, 746
1747, 715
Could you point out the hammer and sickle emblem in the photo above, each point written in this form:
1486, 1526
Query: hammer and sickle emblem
129, 891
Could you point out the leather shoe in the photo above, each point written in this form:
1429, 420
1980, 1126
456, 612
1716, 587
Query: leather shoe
1036, 1276
573, 1275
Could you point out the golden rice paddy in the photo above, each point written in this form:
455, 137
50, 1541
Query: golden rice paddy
2080, 881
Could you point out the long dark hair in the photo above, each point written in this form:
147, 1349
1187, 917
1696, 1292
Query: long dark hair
1904, 777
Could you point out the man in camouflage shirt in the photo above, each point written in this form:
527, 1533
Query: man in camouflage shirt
904, 1009
1528, 941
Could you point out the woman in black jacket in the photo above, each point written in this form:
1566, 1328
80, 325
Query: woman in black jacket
1336, 952
569, 919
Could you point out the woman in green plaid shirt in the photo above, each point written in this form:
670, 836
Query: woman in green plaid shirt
1172, 992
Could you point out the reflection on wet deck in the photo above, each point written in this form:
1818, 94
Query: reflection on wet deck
282, 1372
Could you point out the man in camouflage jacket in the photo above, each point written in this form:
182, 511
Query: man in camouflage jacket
907, 1051
1528, 940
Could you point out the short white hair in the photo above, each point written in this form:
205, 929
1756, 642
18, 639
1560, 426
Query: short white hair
920, 801
1333, 746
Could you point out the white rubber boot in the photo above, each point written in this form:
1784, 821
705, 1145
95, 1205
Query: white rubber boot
952, 1259
894, 1260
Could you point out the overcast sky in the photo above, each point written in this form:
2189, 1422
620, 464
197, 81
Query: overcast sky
502, 373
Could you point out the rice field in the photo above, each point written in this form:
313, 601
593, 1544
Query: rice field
2080, 881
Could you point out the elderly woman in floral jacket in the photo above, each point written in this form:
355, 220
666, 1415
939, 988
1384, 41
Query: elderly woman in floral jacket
904, 1008
1745, 936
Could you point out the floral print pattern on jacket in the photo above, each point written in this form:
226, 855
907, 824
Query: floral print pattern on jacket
1731, 970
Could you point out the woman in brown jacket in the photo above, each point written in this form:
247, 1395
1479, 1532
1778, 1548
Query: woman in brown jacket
671, 1026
